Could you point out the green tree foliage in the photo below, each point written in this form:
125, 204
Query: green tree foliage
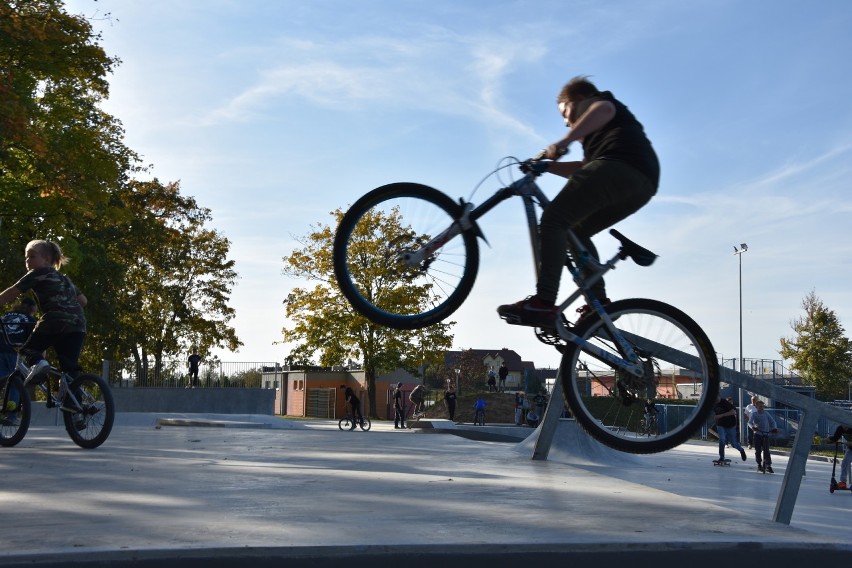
820, 351
157, 280
472, 375
177, 279
324, 323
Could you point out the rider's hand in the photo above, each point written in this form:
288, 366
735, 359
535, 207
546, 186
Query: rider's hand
555, 151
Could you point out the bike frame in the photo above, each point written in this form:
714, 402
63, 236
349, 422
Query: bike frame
531, 194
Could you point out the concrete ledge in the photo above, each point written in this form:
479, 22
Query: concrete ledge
209, 423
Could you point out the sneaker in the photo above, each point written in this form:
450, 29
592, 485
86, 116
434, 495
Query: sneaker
841, 485
530, 311
79, 422
769, 469
743, 454
760, 468
36, 370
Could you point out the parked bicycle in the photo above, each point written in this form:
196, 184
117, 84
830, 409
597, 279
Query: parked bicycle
615, 356
349, 422
86, 404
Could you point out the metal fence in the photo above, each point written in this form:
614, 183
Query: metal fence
174, 373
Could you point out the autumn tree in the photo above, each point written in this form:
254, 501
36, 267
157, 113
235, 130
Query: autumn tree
472, 372
156, 277
820, 351
175, 290
325, 325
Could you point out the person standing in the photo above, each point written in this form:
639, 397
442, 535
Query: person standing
193, 362
725, 416
492, 380
844, 432
398, 408
450, 400
18, 323
749, 410
520, 398
503, 373
762, 423
618, 175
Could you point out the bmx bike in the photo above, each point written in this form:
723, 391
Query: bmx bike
615, 356
85, 402
349, 422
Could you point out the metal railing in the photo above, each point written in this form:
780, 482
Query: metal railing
174, 373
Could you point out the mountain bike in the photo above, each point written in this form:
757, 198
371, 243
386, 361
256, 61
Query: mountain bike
349, 422
85, 402
424, 245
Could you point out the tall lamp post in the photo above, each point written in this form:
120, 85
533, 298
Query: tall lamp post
739, 252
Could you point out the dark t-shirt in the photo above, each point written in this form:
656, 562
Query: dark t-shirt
57, 300
349, 395
623, 139
722, 407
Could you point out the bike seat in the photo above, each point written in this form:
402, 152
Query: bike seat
639, 254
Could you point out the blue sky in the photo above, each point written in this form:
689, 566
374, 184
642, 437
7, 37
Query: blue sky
275, 113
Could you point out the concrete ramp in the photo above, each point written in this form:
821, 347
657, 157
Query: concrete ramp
572, 445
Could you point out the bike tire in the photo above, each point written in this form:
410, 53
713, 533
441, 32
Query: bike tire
90, 427
608, 404
373, 236
346, 424
14, 423
366, 424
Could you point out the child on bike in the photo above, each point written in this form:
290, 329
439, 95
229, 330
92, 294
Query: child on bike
62, 324
618, 174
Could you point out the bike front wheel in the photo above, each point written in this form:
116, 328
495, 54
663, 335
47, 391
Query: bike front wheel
90, 425
16, 412
346, 423
681, 375
396, 261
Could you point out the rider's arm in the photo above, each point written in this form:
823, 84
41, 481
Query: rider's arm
8, 295
82, 300
564, 169
595, 118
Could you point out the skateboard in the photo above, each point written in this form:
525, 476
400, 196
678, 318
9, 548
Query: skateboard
723, 462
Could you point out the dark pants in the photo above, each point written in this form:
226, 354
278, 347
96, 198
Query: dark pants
761, 448
356, 411
398, 417
599, 195
451, 408
67, 346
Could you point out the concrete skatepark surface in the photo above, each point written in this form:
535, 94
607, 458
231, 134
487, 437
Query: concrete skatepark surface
258, 490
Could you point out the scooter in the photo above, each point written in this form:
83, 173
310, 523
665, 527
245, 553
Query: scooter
832, 487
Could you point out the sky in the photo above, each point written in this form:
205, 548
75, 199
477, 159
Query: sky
275, 113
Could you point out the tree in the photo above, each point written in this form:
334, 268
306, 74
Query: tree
157, 279
178, 278
325, 324
472, 372
820, 352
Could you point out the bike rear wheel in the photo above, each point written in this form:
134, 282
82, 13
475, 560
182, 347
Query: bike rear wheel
607, 402
16, 411
91, 425
380, 232
365, 424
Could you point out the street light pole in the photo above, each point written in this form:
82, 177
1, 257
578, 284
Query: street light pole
739, 252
